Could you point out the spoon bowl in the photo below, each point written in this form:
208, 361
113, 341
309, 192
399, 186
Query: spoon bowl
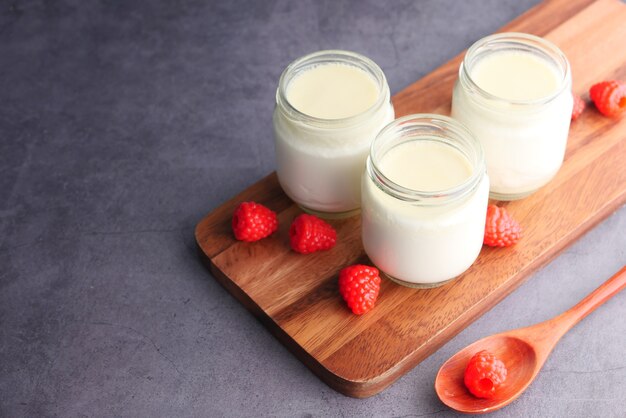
517, 354
523, 351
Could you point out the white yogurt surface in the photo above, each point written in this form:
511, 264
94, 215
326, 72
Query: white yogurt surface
427, 166
516, 76
423, 244
320, 166
524, 145
332, 91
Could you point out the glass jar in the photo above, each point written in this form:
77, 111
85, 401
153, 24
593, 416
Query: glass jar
320, 159
424, 236
522, 125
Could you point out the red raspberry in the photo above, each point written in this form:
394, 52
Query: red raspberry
501, 230
609, 97
359, 286
484, 374
253, 221
309, 233
579, 106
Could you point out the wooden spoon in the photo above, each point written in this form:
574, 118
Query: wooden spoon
523, 351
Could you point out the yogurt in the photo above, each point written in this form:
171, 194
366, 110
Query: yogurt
332, 91
514, 94
329, 107
424, 200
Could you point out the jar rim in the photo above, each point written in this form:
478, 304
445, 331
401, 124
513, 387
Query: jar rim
530, 42
447, 128
325, 57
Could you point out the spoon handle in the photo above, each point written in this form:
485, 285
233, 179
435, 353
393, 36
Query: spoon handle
565, 321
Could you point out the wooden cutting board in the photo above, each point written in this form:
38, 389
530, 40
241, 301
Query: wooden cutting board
296, 296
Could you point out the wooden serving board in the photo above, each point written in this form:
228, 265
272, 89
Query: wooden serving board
296, 296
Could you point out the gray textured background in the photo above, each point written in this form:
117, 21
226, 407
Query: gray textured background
123, 123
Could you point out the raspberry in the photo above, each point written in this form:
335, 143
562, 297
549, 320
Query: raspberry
579, 106
501, 230
253, 221
484, 374
359, 286
309, 234
609, 97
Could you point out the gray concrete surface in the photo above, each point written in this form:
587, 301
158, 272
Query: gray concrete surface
123, 123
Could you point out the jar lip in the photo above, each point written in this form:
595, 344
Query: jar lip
537, 43
325, 57
437, 122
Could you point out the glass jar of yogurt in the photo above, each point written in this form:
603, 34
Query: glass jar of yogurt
329, 107
424, 200
514, 93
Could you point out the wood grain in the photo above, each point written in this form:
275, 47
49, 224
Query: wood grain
296, 296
